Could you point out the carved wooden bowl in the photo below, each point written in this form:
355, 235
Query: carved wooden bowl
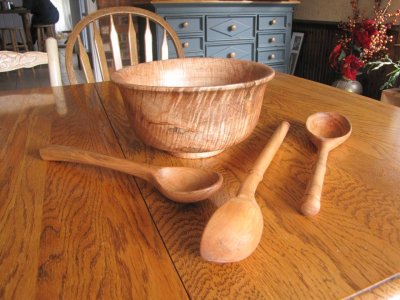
193, 107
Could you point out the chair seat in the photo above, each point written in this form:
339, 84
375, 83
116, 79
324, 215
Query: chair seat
42, 25
11, 60
44, 31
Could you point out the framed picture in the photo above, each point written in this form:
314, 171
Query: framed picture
295, 46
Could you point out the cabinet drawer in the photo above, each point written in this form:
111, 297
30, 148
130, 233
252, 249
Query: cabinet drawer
230, 28
192, 24
271, 39
238, 51
279, 68
273, 56
191, 54
189, 44
272, 22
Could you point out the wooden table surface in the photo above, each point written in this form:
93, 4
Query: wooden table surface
76, 232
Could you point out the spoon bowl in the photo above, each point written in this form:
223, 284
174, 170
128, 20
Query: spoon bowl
233, 238
180, 184
190, 186
327, 130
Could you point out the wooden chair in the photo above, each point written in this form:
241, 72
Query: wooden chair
102, 22
11, 34
44, 31
10, 61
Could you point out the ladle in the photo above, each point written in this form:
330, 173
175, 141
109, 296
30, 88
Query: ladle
235, 229
180, 184
327, 130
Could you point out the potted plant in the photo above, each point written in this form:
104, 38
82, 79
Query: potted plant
361, 41
392, 76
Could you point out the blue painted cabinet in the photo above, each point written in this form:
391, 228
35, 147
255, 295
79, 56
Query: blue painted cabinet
258, 31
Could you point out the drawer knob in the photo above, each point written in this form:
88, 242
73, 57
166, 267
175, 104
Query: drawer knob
185, 25
232, 55
272, 40
232, 28
272, 22
185, 45
272, 56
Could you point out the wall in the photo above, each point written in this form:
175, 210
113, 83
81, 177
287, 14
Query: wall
11, 20
334, 10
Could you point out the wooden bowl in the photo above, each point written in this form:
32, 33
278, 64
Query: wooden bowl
193, 107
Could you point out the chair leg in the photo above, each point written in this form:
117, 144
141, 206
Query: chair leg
25, 46
44, 37
23, 39
3, 39
13, 32
39, 38
53, 31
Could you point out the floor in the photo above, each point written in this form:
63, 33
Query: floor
37, 77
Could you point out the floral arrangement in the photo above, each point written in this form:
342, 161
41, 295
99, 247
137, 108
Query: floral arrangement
362, 40
392, 76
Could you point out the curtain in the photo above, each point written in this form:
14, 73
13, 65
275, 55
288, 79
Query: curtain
65, 21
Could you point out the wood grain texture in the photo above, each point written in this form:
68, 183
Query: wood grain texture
66, 230
193, 107
386, 289
352, 244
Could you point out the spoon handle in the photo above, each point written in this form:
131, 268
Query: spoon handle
256, 174
70, 154
312, 198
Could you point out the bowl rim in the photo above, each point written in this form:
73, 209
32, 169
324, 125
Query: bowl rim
232, 86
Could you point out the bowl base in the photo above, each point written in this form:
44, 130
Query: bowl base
195, 155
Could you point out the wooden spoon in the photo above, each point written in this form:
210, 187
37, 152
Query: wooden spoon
179, 184
327, 130
235, 229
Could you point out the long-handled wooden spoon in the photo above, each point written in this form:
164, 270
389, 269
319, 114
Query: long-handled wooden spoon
327, 130
180, 184
235, 229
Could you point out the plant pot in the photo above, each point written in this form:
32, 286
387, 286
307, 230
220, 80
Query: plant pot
352, 86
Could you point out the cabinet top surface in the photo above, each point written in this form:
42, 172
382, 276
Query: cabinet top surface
215, 1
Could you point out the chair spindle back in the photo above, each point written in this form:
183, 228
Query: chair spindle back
95, 23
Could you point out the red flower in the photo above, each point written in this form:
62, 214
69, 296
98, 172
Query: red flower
370, 27
350, 66
333, 57
364, 32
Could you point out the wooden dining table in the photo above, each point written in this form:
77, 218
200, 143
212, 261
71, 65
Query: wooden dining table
74, 231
